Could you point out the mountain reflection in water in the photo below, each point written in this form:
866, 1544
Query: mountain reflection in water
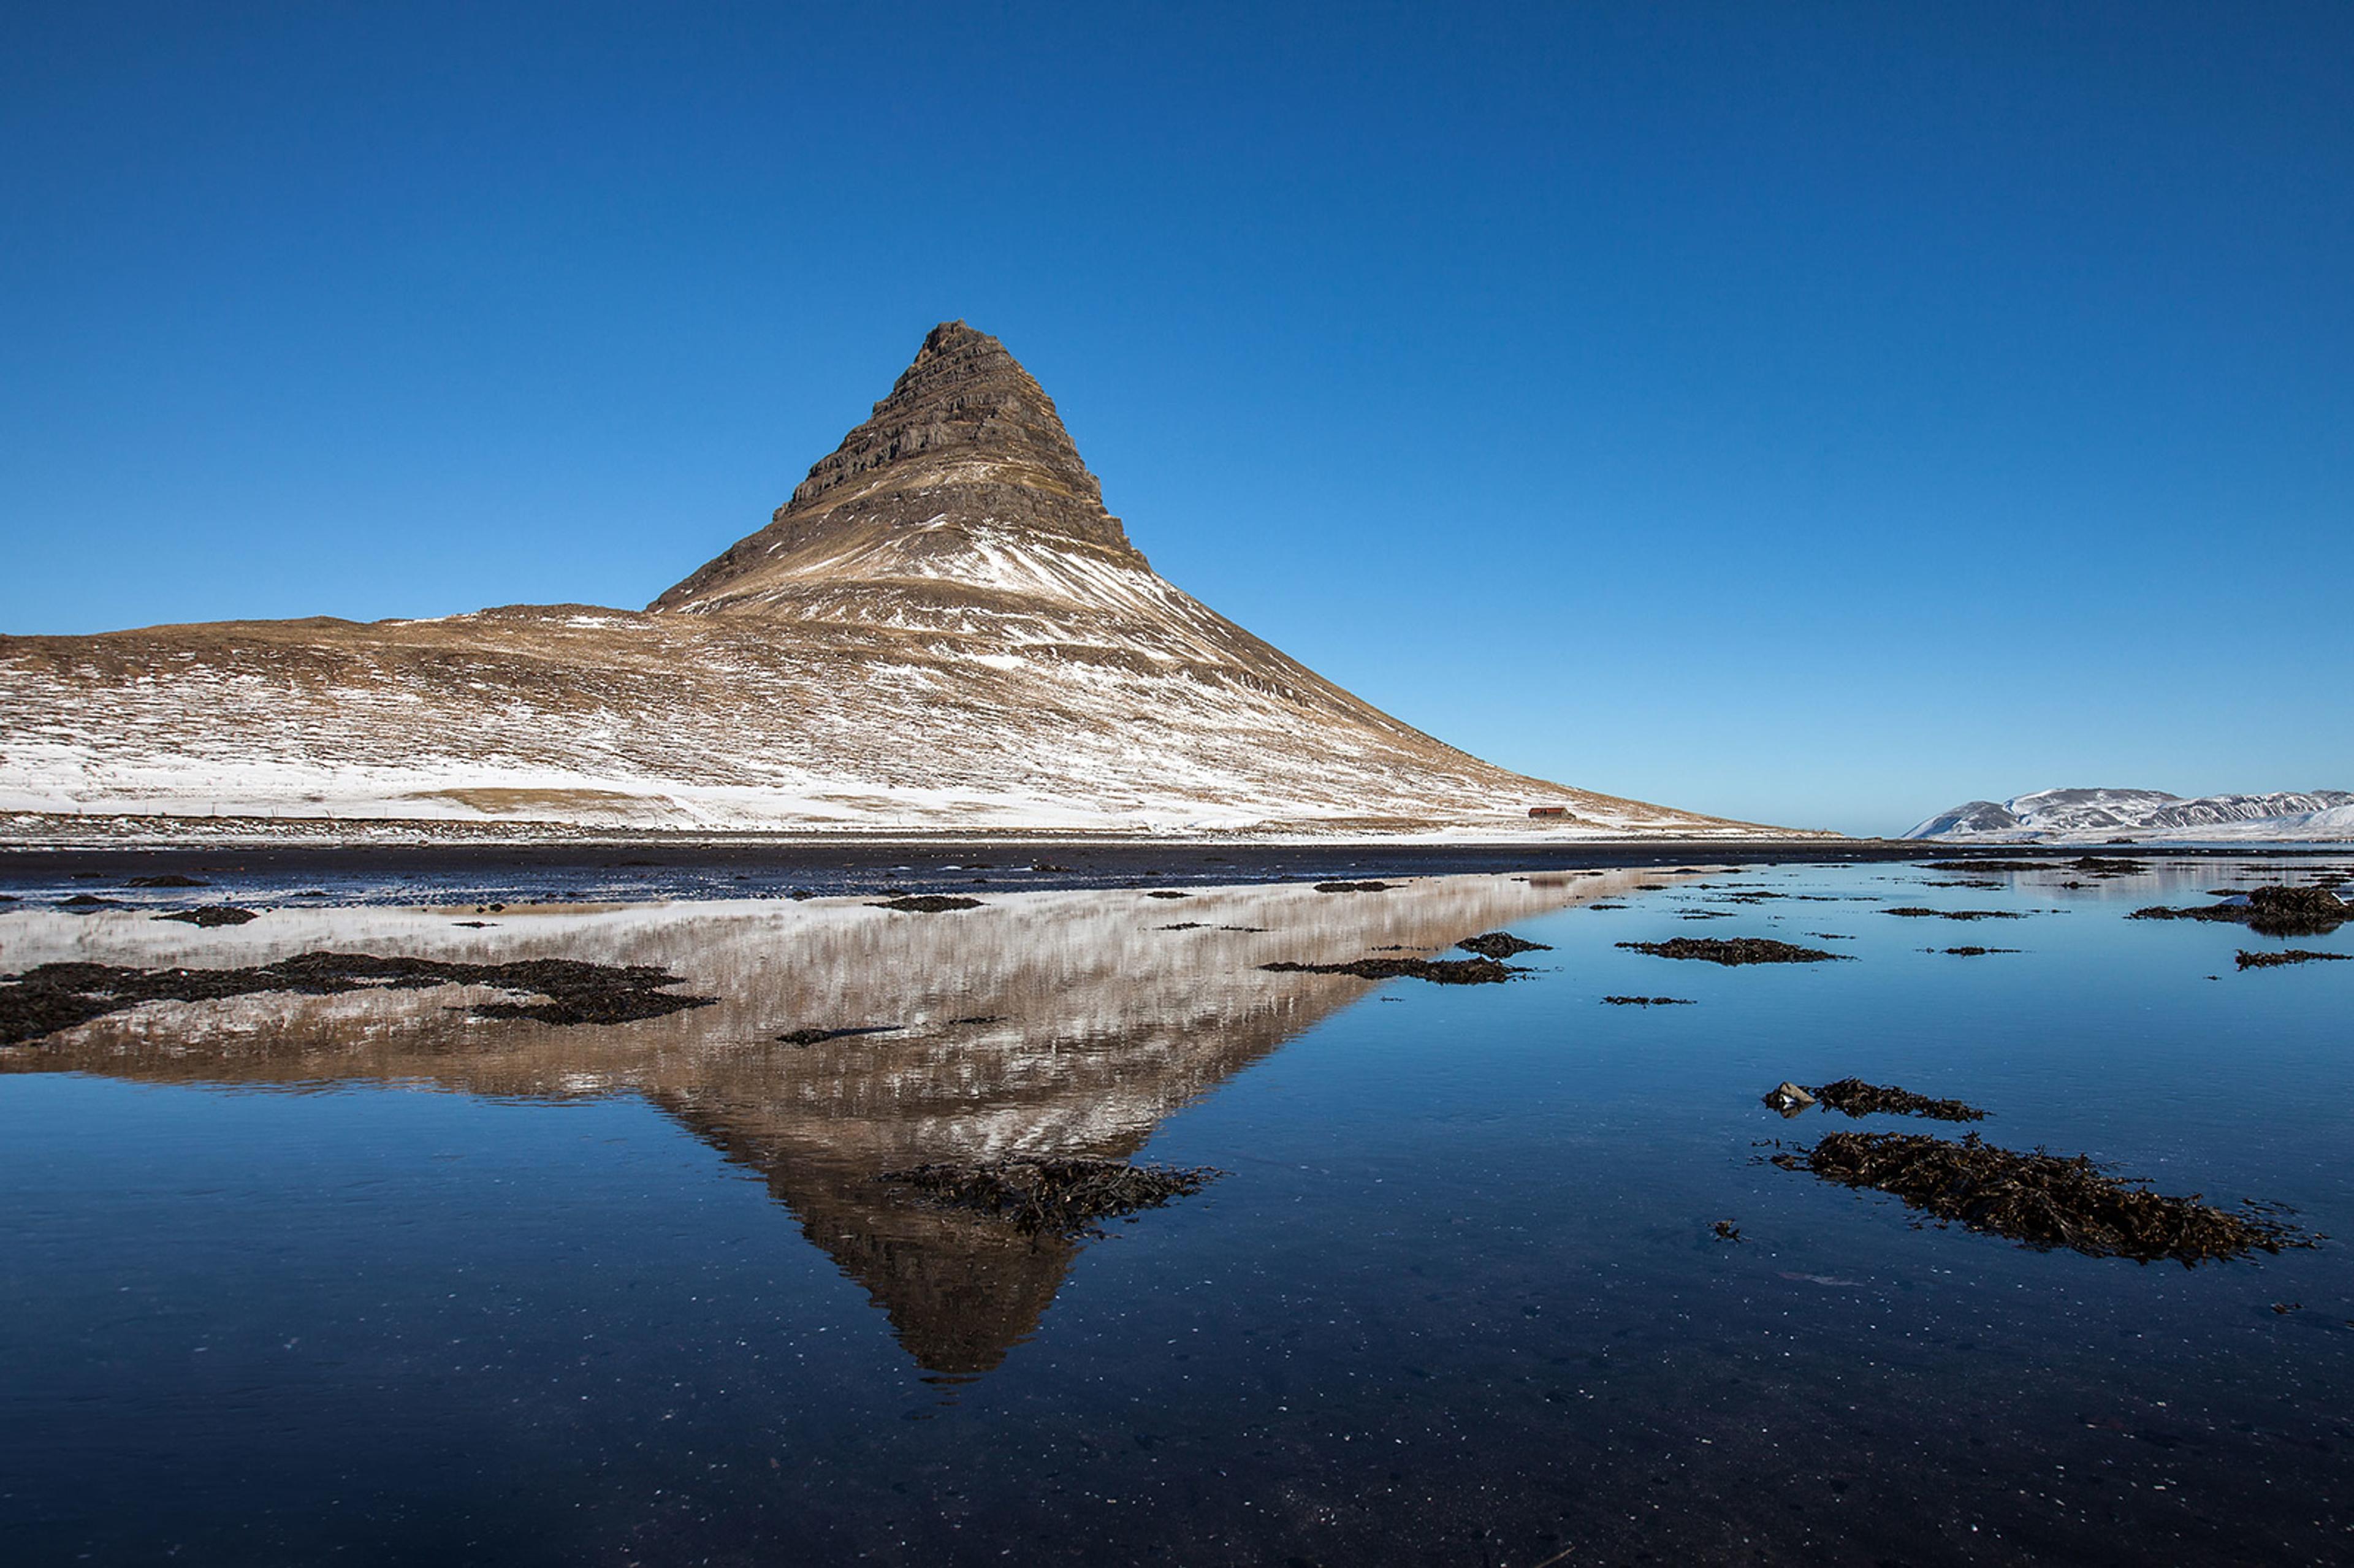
1054, 1023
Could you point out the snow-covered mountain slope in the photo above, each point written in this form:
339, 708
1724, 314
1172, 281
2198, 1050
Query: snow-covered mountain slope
943, 629
2087, 816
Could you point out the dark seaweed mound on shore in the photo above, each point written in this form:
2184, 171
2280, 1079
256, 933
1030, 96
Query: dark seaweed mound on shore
927, 902
2249, 960
1067, 1197
57, 996
2269, 911
1853, 1097
1736, 950
2041, 1200
1438, 971
211, 915
1915, 911
1354, 886
1500, 945
169, 879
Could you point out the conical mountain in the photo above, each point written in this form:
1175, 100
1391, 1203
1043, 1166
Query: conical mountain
943, 629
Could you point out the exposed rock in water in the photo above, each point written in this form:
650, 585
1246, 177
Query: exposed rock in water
1853, 1097
1438, 971
1788, 1098
170, 879
1647, 1002
2093, 865
1167, 892
1353, 886
1916, 912
211, 915
927, 902
1067, 1197
57, 996
2269, 911
2288, 956
1735, 950
2041, 1200
1500, 945
818, 1036
1977, 952
90, 901
1989, 865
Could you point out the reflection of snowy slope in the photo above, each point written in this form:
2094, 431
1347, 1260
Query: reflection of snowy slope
2088, 815
1038, 1023
944, 629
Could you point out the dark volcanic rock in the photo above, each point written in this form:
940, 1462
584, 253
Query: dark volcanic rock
1735, 950
211, 915
1500, 945
57, 996
2041, 1200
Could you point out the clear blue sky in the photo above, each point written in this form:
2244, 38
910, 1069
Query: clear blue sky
1819, 413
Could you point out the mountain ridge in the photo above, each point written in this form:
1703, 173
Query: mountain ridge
943, 627
2100, 815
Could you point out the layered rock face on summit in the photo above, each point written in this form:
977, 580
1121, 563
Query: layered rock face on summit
944, 629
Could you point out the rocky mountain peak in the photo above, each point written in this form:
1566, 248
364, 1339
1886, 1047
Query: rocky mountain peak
967, 443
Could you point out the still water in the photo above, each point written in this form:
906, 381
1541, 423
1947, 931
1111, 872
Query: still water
362, 1279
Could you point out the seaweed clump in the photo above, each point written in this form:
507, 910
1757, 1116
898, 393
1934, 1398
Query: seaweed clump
1853, 1097
1438, 971
927, 902
1915, 911
1735, 950
2042, 1199
169, 879
51, 997
211, 915
2269, 911
2288, 956
1354, 886
1068, 1196
1501, 945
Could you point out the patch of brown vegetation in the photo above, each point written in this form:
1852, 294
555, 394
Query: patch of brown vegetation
2041, 1200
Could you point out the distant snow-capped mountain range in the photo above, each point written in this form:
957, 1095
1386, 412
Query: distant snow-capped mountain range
2065, 816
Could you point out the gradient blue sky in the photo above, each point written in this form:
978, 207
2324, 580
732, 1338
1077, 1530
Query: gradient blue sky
1817, 413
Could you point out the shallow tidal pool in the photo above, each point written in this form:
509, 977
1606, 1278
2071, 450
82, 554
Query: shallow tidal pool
372, 1277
